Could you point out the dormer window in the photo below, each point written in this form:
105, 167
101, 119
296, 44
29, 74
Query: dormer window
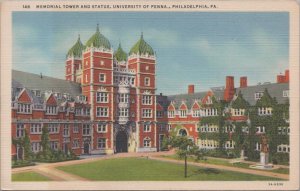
24, 108
182, 113
258, 95
209, 100
196, 113
52, 110
58, 95
285, 93
171, 114
37, 93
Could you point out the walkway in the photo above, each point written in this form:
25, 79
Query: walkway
49, 169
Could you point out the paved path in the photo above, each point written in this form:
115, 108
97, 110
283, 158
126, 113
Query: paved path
49, 169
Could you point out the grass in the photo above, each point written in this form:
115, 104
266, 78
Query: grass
227, 163
141, 169
29, 176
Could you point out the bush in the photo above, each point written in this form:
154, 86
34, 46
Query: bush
21, 163
281, 158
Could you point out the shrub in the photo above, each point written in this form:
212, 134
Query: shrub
281, 158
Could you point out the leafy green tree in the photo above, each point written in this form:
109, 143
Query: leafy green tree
46, 152
28, 154
184, 147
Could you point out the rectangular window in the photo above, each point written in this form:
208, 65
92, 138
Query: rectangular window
24, 108
147, 128
161, 127
265, 111
147, 142
20, 130
132, 81
147, 81
36, 128
123, 112
123, 98
75, 143
147, 100
53, 128
66, 130
182, 113
258, 95
169, 127
101, 128
102, 77
196, 113
171, 114
159, 114
101, 143
52, 110
147, 113
54, 145
102, 97
86, 130
285, 93
36, 147
78, 111
102, 111
76, 128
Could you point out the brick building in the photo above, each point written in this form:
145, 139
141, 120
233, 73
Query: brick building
108, 102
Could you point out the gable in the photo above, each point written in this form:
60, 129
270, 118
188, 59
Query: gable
171, 107
24, 97
195, 106
159, 107
207, 97
183, 107
51, 100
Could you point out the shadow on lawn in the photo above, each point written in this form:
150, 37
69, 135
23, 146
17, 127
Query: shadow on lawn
205, 171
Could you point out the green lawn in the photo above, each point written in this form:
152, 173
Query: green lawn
227, 163
29, 176
142, 169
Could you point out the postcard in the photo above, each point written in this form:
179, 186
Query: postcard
161, 95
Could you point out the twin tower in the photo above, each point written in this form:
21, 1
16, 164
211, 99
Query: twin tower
120, 88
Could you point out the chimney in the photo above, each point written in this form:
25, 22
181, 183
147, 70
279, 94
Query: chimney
191, 89
229, 89
287, 76
280, 79
243, 82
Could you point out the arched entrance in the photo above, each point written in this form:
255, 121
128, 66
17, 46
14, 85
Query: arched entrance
86, 148
121, 142
182, 132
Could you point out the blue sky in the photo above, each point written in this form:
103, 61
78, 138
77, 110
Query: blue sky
198, 48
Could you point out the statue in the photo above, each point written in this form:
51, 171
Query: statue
264, 144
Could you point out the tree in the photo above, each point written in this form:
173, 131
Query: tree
184, 146
46, 152
27, 147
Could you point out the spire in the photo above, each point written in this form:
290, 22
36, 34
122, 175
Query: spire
97, 28
120, 55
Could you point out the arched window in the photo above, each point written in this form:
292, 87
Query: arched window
182, 132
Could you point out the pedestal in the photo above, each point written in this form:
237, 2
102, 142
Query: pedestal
264, 158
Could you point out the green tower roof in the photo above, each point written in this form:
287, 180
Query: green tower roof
141, 47
120, 55
98, 40
76, 49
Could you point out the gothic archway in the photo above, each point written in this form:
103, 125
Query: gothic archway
121, 142
182, 132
